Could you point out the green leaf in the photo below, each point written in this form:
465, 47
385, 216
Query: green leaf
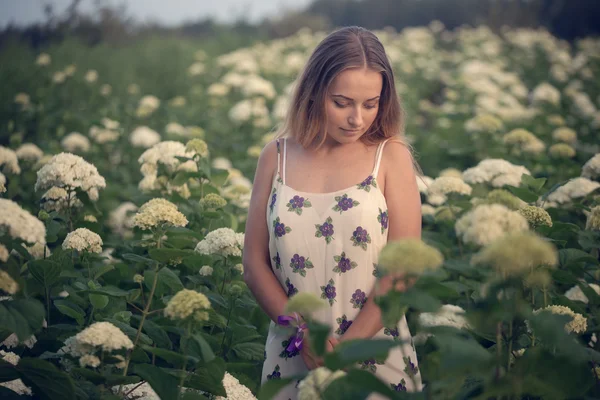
99, 301
169, 278
524, 194
571, 256
166, 255
47, 381
138, 258
357, 384
201, 348
8, 372
155, 332
22, 317
129, 331
109, 291
249, 351
318, 333
459, 352
208, 378
533, 183
165, 385
70, 310
102, 269
175, 359
358, 350
44, 271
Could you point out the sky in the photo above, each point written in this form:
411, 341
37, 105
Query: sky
167, 12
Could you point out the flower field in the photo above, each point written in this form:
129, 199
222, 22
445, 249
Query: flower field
125, 179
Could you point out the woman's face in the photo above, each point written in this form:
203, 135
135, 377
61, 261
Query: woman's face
352, 103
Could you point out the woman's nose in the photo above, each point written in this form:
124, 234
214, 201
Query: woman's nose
355, 118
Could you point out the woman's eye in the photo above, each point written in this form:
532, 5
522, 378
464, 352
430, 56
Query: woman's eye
339, 105
370, 107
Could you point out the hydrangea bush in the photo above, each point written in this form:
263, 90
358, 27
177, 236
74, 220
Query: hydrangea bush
121, 223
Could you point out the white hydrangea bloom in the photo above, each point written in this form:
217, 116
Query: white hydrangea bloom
91, 76
496, 171
488, 222
74, 142
221, 163
218, 89
16, 385
317, 381
89, 360
447, 315
69, 170
58, 199
9, 161
156, 212
4, 254
38, 251
29, 152
143, 136
20, 223
258, 86
82, 239
575, 188
442, 186
13, 341
591, 169
206, 270
545, 93
147, 105
234, 389
576, 294
2, 183
103, 135
175, 128
103, 335
120, 220
43, 59
423, 183
222, 241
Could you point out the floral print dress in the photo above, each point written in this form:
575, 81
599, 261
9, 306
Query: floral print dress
328, 244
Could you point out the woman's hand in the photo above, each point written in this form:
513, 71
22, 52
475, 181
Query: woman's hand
309, 358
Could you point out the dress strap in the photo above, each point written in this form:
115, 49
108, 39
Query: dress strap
278, 156
284, 158
378, 157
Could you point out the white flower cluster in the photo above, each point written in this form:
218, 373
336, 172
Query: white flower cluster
488, 222
4, 253
104, 135
524, 141
68, 170
484, 123
29, 152
256, 85
234, 389
206, 270
120, 220
447, 315
222, 241
496, 171
251, 109
576, 294
2, 183
147, 105
157, 212
20, 223
58, 199
98, 336
75, 142
545, 93
187, 303
13, 341
16, 385
7, 283
575, 188
9, 161
591, 169
82, 239
316, 382
143, 136
442, 186
164, 153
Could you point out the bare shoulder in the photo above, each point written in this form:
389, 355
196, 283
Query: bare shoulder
397, 165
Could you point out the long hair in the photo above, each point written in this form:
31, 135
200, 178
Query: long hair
347, 47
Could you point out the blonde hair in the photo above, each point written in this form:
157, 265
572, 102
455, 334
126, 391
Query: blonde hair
348, 47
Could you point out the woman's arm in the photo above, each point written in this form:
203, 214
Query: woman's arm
404, 216
258, 275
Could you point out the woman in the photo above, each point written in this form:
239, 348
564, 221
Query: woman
328, 194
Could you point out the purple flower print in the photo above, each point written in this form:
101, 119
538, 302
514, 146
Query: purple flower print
367, 183
393, 332
359, 298
401, 387
285, 353
370, 365
325, 230
410, 368
344, 264
273, 199
383, 220
328, 292
279, 228
344, 324
277, 261
275, 374
297, 203
360, 237
299, 264
344, 203
291, 289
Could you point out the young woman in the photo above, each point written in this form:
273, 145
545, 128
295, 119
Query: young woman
337, 184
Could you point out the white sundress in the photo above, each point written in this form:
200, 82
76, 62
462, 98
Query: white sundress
328, 244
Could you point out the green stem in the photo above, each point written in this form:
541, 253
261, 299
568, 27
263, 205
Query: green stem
227, 326
47, 306
510, 343
498, 348
184, 362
